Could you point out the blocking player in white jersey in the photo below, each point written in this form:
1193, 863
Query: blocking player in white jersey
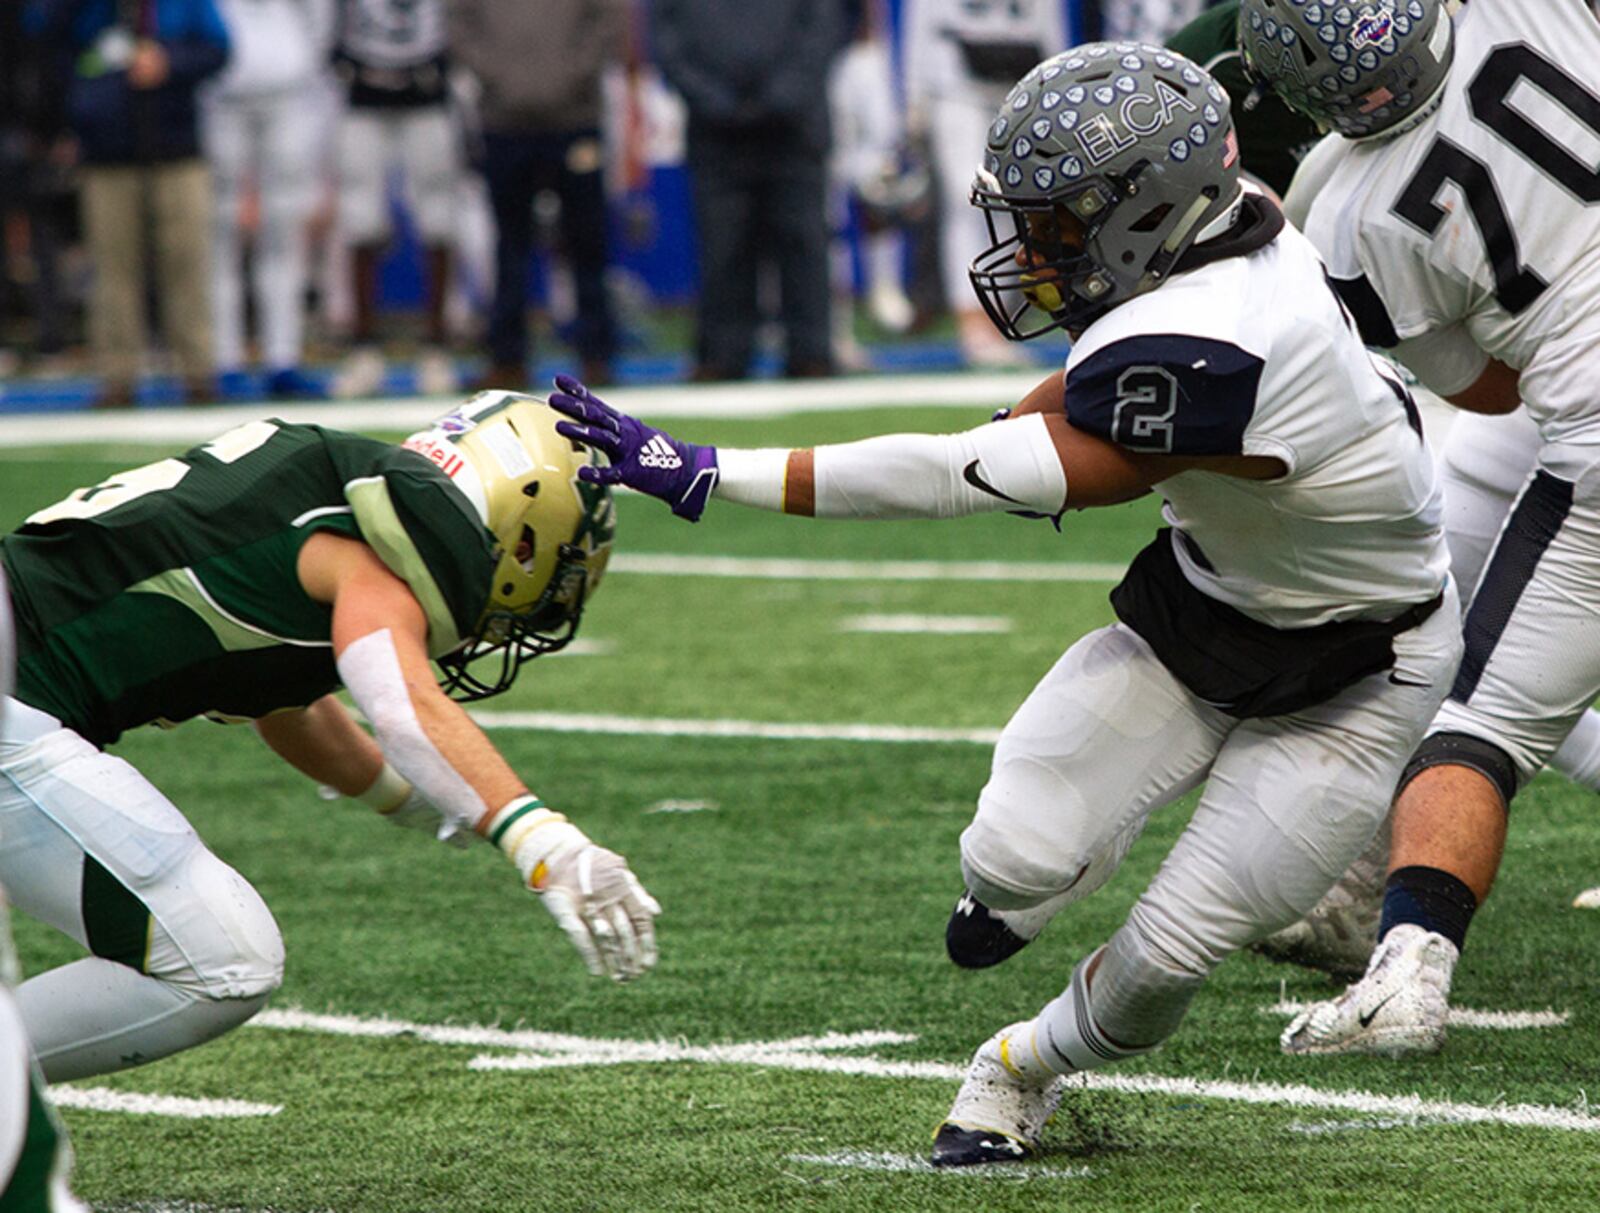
1460, 227
1283, 640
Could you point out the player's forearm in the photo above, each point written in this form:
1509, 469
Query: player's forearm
425, 736
994, 467
325, 743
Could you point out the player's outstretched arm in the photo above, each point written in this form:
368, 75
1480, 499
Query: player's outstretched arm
1035, 462
380, 643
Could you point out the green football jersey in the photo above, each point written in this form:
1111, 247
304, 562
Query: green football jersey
1272, 137
170, 590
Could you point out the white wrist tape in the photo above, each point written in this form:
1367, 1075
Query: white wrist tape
370, 670
388, 791
1000, 466
754, 478
529, 834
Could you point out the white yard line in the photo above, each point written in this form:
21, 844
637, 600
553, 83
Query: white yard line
831, 1054
926, 625
666, 564
1462, 1017
908, 1164
99, 1099
978, 395
650, 726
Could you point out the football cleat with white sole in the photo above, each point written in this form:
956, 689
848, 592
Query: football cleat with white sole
1589, 899
998, 1114
1398, 1009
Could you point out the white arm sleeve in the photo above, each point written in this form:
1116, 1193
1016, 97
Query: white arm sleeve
370, 670
1003, 465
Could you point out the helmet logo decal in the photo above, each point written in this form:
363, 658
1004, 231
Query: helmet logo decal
441, 454
1375, 26
455, 423
1166, 100
1102, 139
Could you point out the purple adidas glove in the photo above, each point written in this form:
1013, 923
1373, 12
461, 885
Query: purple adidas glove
642, 457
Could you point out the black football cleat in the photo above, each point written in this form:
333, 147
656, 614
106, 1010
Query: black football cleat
976, 937
954, 1146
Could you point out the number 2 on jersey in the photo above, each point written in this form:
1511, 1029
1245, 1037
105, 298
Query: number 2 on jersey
1515, 285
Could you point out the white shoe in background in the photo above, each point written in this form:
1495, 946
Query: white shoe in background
436, 373
360, 374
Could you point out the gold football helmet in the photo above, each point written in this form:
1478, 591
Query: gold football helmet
552, 531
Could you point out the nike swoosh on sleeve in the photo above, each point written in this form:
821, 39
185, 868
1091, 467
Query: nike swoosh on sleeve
973, 477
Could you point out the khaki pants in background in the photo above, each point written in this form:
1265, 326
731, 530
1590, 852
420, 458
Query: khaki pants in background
171, 203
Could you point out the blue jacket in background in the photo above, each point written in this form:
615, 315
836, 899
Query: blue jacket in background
114, 123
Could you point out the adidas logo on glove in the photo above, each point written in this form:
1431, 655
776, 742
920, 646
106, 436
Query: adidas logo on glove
658, 453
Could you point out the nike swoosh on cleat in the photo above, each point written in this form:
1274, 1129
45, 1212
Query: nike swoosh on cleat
972, 476
1366, 1019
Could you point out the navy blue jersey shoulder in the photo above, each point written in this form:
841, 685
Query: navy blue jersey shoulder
1166, 394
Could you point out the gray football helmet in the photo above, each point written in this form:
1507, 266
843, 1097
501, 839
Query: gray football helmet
1359, 67
1126, 150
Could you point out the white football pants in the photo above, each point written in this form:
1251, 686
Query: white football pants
185, 947
1109, 736
424, 144
1532, 663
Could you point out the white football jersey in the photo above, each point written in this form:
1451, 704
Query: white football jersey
935, 29
1255, 355
277, 45
1486, 213
393, 33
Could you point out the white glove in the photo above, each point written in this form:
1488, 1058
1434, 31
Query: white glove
397, 802
416, 812
589, 890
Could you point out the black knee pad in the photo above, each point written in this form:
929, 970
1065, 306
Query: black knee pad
1464, 750
975, 938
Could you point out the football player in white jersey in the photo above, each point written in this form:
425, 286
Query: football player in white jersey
1459, 225
263, 123
961, 57
392, 57
1283, 641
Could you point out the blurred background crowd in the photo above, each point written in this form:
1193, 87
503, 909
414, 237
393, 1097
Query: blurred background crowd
206, 200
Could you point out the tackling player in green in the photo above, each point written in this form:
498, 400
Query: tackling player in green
250, 579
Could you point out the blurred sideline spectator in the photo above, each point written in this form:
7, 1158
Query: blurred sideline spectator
35, 155
392, 59
538, 69
132, 69
869, 188
961, 59
758, 137
1138, 20
263, 126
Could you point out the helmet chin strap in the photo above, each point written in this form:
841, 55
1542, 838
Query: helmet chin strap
1217, 226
